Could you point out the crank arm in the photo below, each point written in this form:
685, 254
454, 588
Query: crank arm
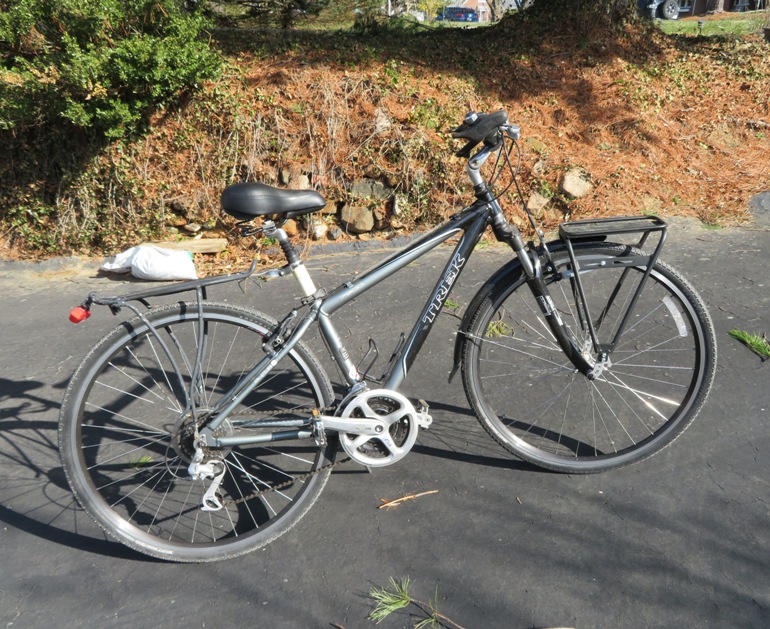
354, 425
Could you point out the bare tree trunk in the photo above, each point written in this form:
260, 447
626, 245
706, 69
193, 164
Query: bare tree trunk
495, 9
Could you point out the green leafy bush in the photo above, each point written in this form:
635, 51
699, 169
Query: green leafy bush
97, 64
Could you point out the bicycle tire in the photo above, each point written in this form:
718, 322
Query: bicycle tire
126, 442
531, 399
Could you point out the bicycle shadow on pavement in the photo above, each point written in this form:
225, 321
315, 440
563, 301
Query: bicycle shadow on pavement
34, 495
456, 435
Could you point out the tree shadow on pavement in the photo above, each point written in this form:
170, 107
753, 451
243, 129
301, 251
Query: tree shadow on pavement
456, 435
34, 495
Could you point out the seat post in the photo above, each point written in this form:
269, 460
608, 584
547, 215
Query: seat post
296, 265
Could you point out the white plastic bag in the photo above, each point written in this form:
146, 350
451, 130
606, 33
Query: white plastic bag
153, 263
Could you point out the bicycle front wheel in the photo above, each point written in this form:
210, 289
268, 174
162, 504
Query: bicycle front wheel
531, 399
126, 434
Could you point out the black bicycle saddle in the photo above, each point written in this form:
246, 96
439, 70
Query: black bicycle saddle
245, 201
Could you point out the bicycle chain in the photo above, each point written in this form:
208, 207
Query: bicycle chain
296, 479
288, 483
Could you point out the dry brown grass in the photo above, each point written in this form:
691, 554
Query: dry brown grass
662, 125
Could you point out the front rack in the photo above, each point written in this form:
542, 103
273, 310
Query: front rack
590, 228
598, 229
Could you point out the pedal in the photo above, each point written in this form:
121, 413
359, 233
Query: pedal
319, 434
424, 420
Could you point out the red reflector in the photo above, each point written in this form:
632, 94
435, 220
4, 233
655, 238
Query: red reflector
79, 314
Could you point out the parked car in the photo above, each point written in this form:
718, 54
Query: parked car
458, 14
667, 9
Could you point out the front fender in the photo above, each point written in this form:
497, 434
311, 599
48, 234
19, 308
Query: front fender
507, 274
511, 271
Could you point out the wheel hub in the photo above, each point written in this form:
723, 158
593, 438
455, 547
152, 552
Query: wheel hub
183, 439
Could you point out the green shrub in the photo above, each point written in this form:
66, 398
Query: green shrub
102, 65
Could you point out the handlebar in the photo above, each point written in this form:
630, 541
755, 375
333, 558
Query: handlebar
486, 128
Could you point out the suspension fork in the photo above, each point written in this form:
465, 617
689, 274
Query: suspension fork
582, 361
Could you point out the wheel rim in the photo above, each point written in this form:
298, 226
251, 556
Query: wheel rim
670, 9
550, 414
132, 463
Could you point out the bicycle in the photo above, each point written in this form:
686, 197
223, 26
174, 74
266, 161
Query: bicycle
199, 431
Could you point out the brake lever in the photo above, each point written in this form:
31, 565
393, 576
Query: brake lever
512, 131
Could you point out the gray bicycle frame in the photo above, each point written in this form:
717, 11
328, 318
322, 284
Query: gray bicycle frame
472, 222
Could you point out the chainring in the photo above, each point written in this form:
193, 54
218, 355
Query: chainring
396, 442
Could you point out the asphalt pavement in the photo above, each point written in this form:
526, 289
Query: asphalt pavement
679, 540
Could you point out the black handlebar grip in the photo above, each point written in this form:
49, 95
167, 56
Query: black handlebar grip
479, 128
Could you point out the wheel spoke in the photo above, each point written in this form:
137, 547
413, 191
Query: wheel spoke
128, 437
535, 403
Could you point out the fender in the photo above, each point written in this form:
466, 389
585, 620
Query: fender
510, 272
506, 275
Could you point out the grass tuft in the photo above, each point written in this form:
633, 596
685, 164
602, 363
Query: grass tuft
755, 342
397, 596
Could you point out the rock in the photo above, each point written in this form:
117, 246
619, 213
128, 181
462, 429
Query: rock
574, 183
398, 204
319, 230
536, 204
175, 221
380, 218
192, 228
335, 233
539, 168
332, 206
358, 220
759, 206
299, 182
381, 121
290, 227
284, 177
370, 189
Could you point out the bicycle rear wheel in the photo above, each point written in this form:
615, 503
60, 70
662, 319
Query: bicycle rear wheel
126, 434
530, 398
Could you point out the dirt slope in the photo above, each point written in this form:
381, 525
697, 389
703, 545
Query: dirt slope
659, 125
